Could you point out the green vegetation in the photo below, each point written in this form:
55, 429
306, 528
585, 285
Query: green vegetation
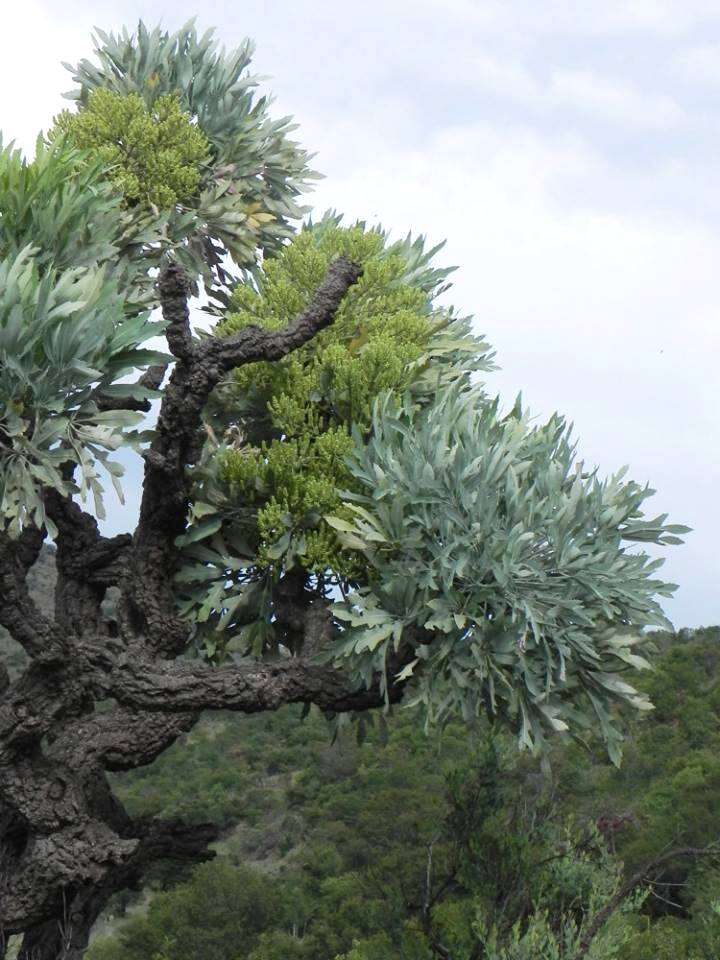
369, 464
154, 154
283, 466
404, 845
511, 555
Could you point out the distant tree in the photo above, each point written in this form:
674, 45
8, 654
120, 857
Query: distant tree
219, 913
333, 512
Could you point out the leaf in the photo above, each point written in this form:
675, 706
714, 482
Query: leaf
131, 390
278, 549
370, 638
199, 531
201, 509
407, 670
338, 524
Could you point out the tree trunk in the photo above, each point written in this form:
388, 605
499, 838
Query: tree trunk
66, 843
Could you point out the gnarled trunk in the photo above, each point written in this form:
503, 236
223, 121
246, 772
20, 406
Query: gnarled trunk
98, 697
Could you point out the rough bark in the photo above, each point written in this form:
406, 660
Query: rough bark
66, 843
18, 613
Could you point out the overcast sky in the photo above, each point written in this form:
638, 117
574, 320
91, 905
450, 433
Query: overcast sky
567, 151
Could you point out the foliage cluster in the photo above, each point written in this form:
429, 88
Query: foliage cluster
167, 118
64, 340
155, 154
305, 405
370, 462
235, 174
280, 465
487, 532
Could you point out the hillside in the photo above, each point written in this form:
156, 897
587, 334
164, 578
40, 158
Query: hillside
327, 848
396, 845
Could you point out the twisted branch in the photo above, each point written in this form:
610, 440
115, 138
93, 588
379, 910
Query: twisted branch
200, 366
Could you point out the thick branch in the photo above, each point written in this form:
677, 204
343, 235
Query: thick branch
251, 688
90, 861
151, 380
175, 840
200, 367
80, 854
120, 740
175, 289
18, 612
28, 547
87, 563
84, 548
47, 693
46, 795
68, 935
253, 343
93, 862
102, 667
290, 604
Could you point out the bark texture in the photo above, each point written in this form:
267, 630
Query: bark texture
99, 697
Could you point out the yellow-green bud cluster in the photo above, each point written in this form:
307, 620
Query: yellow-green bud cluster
156, 154
312, 399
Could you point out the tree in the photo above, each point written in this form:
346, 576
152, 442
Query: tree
333, 512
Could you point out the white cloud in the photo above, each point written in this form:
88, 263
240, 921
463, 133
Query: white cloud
587, 94
699, 64
505, 78
32, 76
577, 18
617, 102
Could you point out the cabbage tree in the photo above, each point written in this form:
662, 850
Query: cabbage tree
335, 511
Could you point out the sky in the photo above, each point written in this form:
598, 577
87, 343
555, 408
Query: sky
567, 152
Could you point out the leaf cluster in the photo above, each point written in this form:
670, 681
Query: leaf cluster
490, 545
64, 339
227, 175
155, 154
81, 233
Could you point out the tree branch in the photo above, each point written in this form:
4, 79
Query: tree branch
87, 563
252, 688
81, 854
91, 859
123, 739
47, 693
175, 289
253, 343
151, 380
200, 367
18, 612
602, 916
